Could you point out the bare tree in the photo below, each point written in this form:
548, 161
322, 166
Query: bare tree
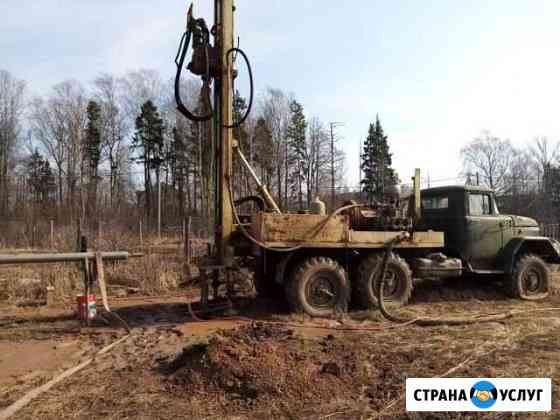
520, 179
12, 104
137, 88
490, 157
318, 149
545, 153
276, 112
71, 96
49, 129
114, 130
58, 123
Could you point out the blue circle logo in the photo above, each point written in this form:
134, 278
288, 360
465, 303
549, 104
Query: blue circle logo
484, 394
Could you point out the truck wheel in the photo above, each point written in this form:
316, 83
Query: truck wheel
398, 281
318, 287
530, 279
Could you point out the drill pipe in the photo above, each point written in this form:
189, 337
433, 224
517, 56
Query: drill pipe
62, 257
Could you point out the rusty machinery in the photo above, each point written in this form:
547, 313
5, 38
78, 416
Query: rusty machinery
213, 57
309, 258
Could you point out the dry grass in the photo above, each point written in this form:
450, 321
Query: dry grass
20, 284
160, 270
151, 274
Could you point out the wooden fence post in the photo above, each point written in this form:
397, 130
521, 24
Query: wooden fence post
187, 239
87, 278
79, 234
52, 234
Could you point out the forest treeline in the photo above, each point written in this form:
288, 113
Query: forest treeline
99, 151
526, 179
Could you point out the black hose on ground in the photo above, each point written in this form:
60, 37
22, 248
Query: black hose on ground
424, 322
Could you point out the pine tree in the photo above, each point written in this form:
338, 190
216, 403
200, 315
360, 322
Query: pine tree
297, 151
48, 181
376, 163
148, 144
200, 149
179, 168
92, 153
242, 181
40, 177
34, 169
239, 107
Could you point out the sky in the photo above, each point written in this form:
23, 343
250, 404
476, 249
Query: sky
437, 72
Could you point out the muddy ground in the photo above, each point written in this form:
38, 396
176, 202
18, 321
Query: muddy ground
256, 361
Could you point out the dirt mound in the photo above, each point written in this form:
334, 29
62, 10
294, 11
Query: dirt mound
262, 364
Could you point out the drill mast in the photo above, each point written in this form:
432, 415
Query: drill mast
223, 99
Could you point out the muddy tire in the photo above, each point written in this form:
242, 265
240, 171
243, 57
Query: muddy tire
530, 279
318, 287
398, 281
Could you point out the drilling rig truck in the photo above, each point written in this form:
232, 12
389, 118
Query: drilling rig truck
320, 262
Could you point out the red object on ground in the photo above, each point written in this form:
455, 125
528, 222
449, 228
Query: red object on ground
87, 308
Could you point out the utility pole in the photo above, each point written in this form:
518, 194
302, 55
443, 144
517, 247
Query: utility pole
360, 169
333, 125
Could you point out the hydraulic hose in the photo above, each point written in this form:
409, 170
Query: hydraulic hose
257, 199
425, 322
180, 61
251, 86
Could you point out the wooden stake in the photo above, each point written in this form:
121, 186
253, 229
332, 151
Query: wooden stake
86, 272
100, 275
52, 234
78, 234
188, 252
86, 287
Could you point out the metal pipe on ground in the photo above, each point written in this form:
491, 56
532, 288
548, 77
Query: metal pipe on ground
63, 257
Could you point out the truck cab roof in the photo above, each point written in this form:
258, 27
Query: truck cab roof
456, 188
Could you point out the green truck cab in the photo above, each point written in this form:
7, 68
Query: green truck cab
490, 243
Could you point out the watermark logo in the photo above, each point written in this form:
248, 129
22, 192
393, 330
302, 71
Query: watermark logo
483, 394
474, 394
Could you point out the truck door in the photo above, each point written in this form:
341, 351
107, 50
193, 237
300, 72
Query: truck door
484, 231
444, 211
